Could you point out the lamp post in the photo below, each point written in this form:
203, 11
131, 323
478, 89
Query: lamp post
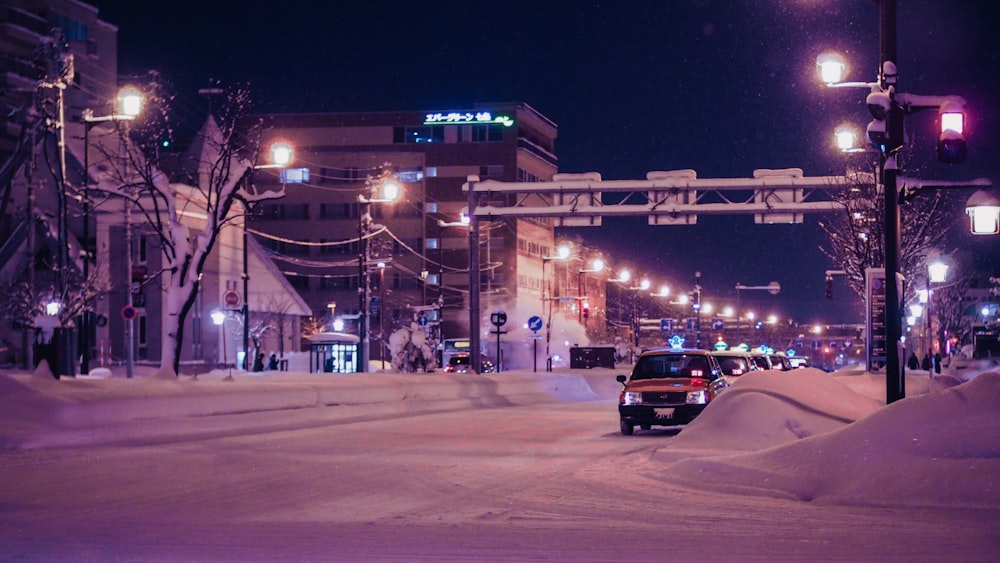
128, 107
773, 288
562, 253
219, 318
596, 266
889, 106
697, 308
281, 156
937, 272
462, 222
381, 189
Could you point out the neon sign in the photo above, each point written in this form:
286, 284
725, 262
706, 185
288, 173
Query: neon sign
463, 117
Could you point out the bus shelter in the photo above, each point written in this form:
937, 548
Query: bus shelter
333, 352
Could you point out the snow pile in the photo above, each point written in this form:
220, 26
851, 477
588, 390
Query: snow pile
937, 449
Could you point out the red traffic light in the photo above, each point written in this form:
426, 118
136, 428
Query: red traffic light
951, 146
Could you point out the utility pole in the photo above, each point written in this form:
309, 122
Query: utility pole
474, 280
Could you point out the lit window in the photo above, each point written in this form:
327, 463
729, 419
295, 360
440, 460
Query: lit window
294, 175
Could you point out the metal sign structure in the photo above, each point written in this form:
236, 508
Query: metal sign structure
666, 197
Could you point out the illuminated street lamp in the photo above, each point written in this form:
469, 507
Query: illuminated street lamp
381, 189
281, 156
562, 253
888, 107
596, 266
983, 209
219, 318
127, 108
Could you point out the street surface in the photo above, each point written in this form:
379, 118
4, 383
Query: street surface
541, 482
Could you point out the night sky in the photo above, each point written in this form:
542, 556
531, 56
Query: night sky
718, 86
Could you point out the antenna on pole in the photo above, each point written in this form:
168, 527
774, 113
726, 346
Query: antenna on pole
210, 93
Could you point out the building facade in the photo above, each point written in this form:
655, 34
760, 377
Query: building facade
313, 233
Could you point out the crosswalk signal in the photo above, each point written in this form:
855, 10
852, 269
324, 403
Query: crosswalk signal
951, 148
586, 310
829, 287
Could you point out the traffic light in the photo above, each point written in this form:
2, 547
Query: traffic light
951, 147
586, 310
878, 105
829, 287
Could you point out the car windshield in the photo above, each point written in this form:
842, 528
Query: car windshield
762, 362
658, 366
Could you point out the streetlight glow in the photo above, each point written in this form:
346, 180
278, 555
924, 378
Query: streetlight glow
832, 68
983, 209
281, 154
129, 101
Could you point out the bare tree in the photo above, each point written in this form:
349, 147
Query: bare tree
856, 235
230, 147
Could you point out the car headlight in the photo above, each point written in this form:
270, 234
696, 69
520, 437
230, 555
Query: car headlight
632, 398
697, 397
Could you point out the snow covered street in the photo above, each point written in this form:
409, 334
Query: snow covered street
799, 465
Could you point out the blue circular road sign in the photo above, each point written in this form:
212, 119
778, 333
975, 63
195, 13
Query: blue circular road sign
535, 323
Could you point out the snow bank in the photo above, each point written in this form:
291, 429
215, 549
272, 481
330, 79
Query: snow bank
937, 449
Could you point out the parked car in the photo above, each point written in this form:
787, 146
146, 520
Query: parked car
762, 360
799, 362
459, 363
734, 363
668, 387
779, 362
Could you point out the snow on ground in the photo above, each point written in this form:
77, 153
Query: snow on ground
810, 437
803, 434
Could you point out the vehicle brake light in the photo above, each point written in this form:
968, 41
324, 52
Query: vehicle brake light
698, 382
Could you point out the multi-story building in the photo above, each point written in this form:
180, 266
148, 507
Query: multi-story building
27, 25
314, 231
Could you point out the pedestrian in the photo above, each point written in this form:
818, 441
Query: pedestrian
258, 364
926, 363
272, 362
913, 362
937, 362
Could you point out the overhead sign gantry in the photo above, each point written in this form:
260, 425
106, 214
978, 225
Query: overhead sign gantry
674, 197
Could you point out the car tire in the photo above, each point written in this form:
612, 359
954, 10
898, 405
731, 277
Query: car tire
627, 428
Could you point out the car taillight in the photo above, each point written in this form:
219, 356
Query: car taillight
698, 382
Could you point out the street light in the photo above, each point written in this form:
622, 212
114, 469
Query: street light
127, 108
281, 156
596, 266
562, 253
380, 189
219, 318
888, 107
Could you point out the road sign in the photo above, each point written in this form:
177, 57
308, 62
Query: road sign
718, 325
232, 299
666, 325
129, 312
422, 320
535, 323
498, 318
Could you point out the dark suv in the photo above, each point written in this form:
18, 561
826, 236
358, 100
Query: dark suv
668, 387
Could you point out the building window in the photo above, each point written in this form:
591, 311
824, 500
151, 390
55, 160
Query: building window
294, 175
425, 134
432, 244
298, 282
491, 171
487, 133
